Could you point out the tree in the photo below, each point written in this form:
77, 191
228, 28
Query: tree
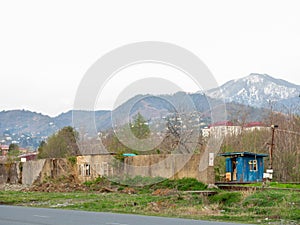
183, 134
114, 143
41, 148
13, 152
13, 147
60, 145
139, 127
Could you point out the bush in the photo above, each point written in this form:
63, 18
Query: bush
226, 198
137, 181
184, 184
99, 181
264, 199
72, 160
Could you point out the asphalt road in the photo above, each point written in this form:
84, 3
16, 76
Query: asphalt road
15, 215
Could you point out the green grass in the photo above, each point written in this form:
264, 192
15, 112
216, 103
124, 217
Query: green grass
137, 181
149, 184
226, 198
243, 207
184, 184
275, 185
274, 204
263, 206
265, 199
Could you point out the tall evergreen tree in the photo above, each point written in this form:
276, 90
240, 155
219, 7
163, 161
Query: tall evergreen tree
140, 127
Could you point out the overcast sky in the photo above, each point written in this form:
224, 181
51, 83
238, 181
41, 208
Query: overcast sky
46, 47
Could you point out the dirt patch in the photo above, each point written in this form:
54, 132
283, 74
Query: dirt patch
129, 191
13, 187
164, 192
68, 184
63, 184
160, 206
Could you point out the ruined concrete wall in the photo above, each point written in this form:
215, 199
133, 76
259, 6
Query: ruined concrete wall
169, 166
55, 168
99, 165
32, 170
160, 165
10, 173
39, 170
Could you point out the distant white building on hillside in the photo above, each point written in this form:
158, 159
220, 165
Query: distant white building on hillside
227, 128
252, 126
222, 128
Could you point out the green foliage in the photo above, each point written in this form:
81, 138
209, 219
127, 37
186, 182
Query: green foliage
240, 207
150, 183
72, 160
153, 183
226, 198
13, 147
137, 181
184, 184
139, 127
13, 153
274, 204
276, 185
264, 199
282, 185
41, 148
114, 145
227, 148
119, 156
99, 181
219, 168
60, 145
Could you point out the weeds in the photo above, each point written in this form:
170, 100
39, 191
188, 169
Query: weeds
262, 207
275, 185
226, 198
184, 184
264, 199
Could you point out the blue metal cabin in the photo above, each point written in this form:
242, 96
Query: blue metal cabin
244, 166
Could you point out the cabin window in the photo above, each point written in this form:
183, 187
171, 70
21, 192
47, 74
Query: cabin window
253, 165
85, 169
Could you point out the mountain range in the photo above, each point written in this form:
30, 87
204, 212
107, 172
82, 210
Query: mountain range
258, 90
254, 95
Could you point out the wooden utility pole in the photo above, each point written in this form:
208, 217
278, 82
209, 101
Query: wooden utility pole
272, 146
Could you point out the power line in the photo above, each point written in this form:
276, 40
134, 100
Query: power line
288, 131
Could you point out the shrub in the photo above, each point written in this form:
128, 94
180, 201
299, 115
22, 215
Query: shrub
72, 160
226, 198
264, 199
102, 181
184, 184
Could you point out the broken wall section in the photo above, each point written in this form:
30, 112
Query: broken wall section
42, 169
10, 173
173, 166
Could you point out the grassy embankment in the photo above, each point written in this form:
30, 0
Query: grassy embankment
169, 199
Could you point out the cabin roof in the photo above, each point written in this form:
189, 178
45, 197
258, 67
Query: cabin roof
242, 154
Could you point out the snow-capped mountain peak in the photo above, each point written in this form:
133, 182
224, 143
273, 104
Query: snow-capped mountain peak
256, 90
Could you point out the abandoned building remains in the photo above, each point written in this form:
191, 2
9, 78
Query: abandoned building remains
240, 167
89, 167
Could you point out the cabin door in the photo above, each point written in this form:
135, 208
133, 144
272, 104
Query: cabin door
234, 170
